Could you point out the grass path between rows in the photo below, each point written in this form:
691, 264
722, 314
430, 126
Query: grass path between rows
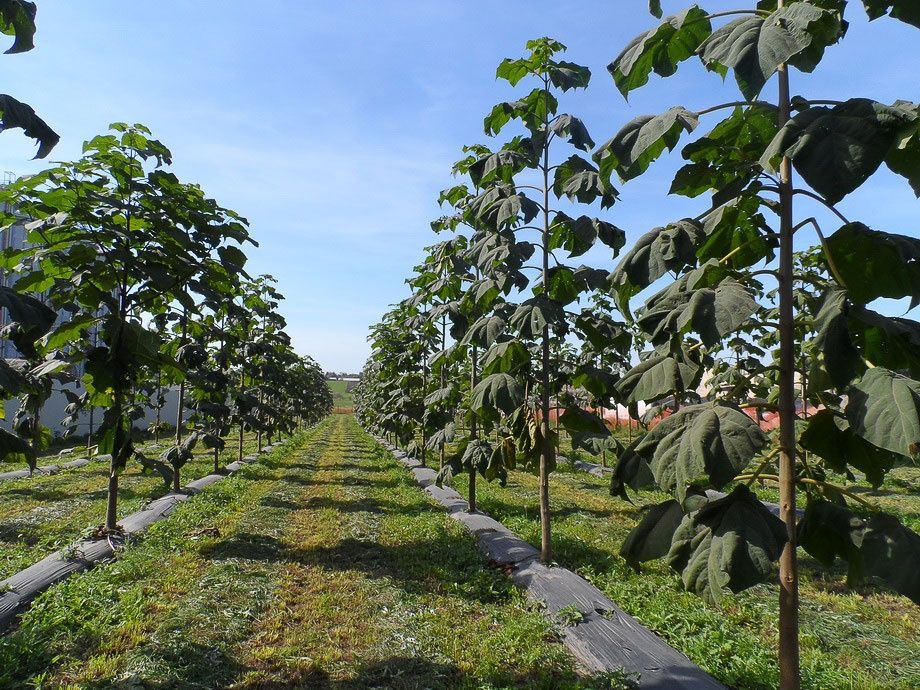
323, 566
41, 514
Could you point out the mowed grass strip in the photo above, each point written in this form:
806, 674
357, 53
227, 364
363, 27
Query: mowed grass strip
170, 606
41, 514
322, 566
863, 640
384, 590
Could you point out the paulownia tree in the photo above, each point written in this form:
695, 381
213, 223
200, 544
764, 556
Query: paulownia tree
739, 282
113, 236
518, 184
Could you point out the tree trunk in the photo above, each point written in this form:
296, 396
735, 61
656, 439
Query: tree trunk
156, 427
788, 567
177, 483
424, 395
443, 346
180, 412
546, 551
474, 432
111, 510
89, 435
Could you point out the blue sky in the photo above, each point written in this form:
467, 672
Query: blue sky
332, 126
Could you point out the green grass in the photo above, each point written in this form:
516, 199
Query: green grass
341, 395
322, 566
865, 639
44, 513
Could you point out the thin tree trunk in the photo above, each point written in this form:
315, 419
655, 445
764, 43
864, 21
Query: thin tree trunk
474, 434
443, 346
89, 436
156, 427
111, 509
546, 551
259, 433
788, 567
181, 406
424, 395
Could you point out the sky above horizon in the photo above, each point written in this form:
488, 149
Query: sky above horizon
333, 126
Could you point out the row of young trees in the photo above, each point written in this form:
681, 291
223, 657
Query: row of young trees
767, 308
133, 282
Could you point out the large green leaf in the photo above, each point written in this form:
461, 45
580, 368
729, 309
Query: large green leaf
578, 235
891, 552
656, 377
709, 442
829, 436
651, 538
17, 115
669, 248
884, 409
712, 313
828, 530
507, 358
578, 180
561, 285
602, 332
661, 49
836, 149
476, 456
532, 110
904, 157
885, 341
905, 10
601, 383
31, 317
576, 420
17, 18
875, 264
501, 205
486, 330
722, 161
12, 381
596, 444
737, 230
631, 470
755, 46
499, 166
568, 75
69, 331
495, 395
729, 543
833, 343
642, 140
13, 448
533, 315
573, 130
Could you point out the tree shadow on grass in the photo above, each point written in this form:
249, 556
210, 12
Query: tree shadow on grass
248, 545
203, 667
502, 510
364, 505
